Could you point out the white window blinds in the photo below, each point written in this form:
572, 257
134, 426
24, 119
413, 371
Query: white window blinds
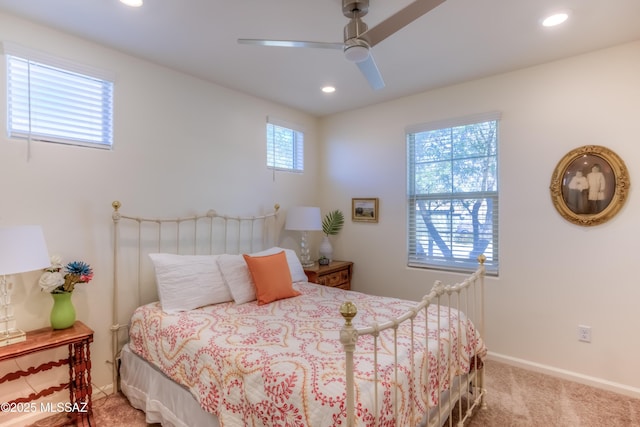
285, 146
54, 100
453, 201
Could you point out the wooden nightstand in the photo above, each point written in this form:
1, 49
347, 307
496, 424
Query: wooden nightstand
337, 274
77, 338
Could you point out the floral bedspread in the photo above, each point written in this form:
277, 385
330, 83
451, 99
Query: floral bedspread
282, 364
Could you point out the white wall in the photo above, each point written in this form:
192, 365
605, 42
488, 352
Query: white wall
553, 275
179, 143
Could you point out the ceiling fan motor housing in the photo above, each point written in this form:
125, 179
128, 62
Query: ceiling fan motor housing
354, 29
354, 8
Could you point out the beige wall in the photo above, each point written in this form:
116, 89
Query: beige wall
553, 275
180, 143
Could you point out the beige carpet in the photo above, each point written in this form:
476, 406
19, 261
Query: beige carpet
522, 398
515, 398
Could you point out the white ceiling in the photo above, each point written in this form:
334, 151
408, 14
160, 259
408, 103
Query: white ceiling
459, 40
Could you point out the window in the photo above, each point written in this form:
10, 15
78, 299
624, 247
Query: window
453, 193
285, 147
52, 100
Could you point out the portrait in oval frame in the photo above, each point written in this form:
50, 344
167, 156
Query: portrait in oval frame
589, 185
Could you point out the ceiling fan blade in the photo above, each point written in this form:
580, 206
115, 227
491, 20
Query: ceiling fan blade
370, 70
399, 20
291, 43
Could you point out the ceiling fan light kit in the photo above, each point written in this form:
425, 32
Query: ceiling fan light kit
358, 38
356, 52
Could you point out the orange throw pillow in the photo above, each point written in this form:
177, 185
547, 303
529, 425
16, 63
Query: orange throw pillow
271, 276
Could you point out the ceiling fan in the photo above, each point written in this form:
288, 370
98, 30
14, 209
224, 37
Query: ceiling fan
358, 38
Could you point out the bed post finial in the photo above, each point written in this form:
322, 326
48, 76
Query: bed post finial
348, 310
115, 215
276, 207
482, 259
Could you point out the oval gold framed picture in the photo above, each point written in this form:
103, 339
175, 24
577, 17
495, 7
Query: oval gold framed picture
589, 185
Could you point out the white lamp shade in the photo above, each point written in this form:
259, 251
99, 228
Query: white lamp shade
22, 249
303, 218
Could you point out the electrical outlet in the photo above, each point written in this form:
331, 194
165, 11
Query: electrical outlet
584, 333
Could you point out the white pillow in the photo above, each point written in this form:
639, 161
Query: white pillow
238, 278
297, 272
186, 282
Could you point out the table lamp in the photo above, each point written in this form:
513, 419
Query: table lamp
304, 219
22, 249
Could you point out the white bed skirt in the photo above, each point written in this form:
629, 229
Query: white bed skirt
162, 400
166, 402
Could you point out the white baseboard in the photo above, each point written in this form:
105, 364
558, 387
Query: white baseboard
624, 389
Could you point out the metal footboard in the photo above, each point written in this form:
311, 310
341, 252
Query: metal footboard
465, 297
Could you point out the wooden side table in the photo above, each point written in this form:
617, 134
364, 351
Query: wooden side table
337, 274
77, 338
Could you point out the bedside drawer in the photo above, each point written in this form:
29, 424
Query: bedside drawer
336, 275
335, 279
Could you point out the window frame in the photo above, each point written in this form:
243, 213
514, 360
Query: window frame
74, 102
455, 249
295, 146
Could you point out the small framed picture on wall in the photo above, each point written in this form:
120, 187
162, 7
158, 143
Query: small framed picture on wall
364, 209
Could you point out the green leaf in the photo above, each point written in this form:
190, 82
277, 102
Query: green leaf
332, 223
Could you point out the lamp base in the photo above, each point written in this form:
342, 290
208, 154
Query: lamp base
12, 337
305, 258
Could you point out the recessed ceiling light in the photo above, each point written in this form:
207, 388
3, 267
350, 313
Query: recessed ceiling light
555, 19
328, 89
132, 3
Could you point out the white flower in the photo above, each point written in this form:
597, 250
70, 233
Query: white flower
56, 263
50, 280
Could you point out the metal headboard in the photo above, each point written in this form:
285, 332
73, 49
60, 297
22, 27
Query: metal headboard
135, 237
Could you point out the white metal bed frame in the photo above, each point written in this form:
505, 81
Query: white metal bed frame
213, 233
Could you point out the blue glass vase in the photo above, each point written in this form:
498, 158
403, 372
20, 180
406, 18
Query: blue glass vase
63, 313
